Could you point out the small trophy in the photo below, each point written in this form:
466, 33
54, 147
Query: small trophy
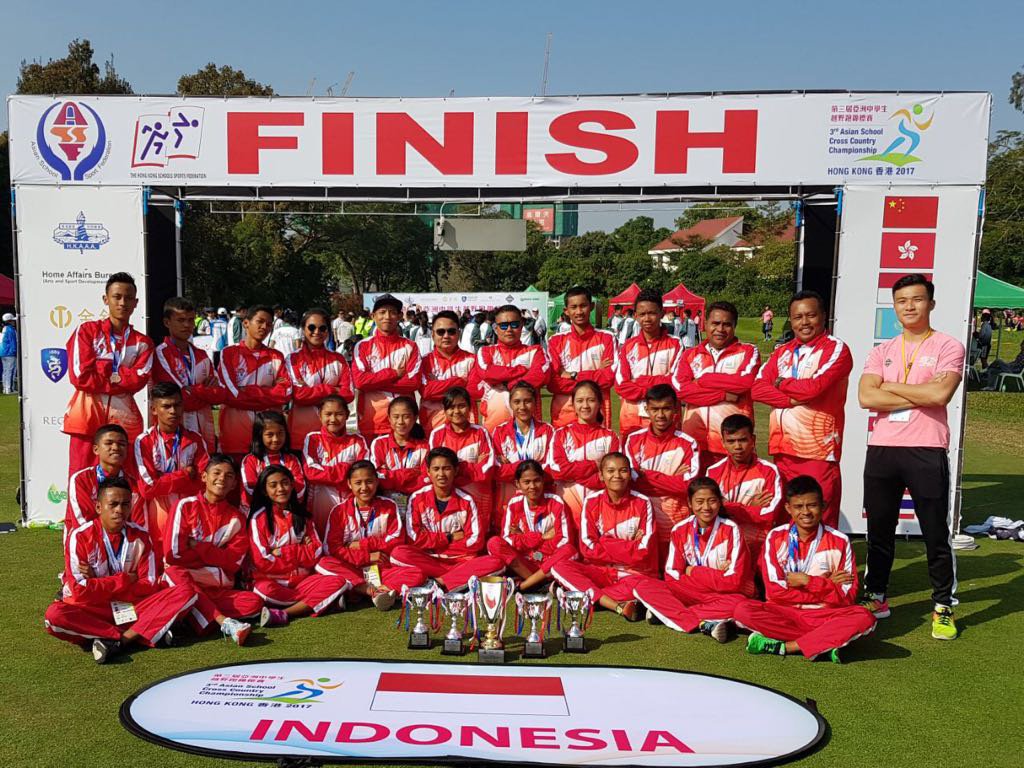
416, 603
536, 608
455, 605
489, 598
579, 610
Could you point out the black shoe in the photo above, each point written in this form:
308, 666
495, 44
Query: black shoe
167, 641
104, 650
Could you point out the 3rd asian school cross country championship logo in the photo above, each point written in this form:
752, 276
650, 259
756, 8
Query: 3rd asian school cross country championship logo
912, 124
303, 690
71, 140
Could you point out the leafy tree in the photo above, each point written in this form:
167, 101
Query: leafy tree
765, 220
1002, 244
75, 73
1017, 90
499, 270
225, 81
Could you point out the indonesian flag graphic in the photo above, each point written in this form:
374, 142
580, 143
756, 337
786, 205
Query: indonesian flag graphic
886, 280
910, 213
470, 694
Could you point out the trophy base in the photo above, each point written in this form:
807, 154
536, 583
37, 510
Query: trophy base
419, 641
575, 645
534, 651
491, 655
453, 647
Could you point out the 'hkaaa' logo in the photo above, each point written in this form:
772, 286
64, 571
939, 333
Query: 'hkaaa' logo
55, 363
81, 236
71, 139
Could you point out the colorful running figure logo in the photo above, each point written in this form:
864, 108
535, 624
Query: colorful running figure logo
911, 125
69, 140
306, 691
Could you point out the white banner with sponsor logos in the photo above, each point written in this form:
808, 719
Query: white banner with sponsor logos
432, 303
888, 233
70, 239
510, 143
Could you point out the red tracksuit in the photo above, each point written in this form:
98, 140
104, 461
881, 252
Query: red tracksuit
315, 374
529, 546
328, 458
498, 367
84, 611
819, 616
703, 377
377, 529
438, 374
583, 354
162, 461
573, 460
82, 491
289, 576
400, 468
807, 439
255, 380
429, 548
721, 576
97, 400
640, 365
512, 447
374, 361
252, 465
739, 485
204, 547
475, 474
200, 386
616, 542
664, 466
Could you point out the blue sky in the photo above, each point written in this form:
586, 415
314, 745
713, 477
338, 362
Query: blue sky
477, 48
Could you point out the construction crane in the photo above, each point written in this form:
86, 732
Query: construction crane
547, 58
348, 83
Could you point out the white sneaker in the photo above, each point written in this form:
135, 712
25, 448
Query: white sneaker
384, 600
235, 630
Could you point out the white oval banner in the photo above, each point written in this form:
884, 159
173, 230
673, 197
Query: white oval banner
350, 711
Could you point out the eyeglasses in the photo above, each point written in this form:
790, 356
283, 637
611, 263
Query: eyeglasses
316, 328
446, 331
515, 325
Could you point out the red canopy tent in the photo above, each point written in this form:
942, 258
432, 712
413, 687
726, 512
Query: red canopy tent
6, 291
625, 299
680, 298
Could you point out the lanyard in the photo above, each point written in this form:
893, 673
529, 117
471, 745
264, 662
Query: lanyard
794, 563
903, 354
537, 519
795, 366
115, 353
116, 560
369, 523
101, 475
190, 366
405, 462
702, 559
650, 359
168, 463
523, 442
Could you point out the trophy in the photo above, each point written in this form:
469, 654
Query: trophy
536, 608
489, 597
455, 605
579, 610
418, 604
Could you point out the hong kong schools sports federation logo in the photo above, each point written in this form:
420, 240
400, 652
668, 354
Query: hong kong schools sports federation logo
71, 140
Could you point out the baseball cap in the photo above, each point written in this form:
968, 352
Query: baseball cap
8, 317
386, 300
222, 311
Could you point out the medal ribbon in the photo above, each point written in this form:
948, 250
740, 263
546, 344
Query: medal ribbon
793, 563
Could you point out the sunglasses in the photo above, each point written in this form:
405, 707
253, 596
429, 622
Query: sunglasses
316, 328
446, 331
515, 325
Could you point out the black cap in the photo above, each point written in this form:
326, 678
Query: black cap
386, 300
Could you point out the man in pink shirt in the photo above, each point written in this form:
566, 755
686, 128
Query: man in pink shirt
909, 380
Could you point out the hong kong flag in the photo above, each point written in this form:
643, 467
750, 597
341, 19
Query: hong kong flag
910, 251
910, 213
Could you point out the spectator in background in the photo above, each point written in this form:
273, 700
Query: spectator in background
616, 321
487, 335
405, 327
766, 323
420, 334
671, 323
470, 339
688, 332
219, 331
985, 328
205, 326
343, 328
236, 329
278, 317
564, 326
628, 328
287, 337
9, 354
363, 325
998, 367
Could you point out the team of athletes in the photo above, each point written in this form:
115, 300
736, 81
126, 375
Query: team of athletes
282, 513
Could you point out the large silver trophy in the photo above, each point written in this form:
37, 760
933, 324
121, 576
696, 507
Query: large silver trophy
578, 610
489, 598
455, 605
537, 609
421, 613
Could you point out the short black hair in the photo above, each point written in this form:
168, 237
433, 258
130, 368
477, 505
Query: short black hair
333, 399
579, 290
508, 308
735, 423
805, 295
119, 277
803, 484
723, 306
108, 428
453, 394
221, 458
355, 466
113, 482
650, 295
177, 304
442, 452
915, 279
163, 390
258, 308
703, 484
661, 392
445, 314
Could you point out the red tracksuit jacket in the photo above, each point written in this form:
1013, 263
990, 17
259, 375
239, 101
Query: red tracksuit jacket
298, 556
133, 553
428, 527
536, 521
256, 381
827, 553
474, 449
664, 464
499, 366
328, 456
219, 540
817, 375
575, 449
582, 353
162, 466
721, 566
82, 490
377, 529
641, 365
317, 373
252, 465
740, 485
373, 363
200, 386
399, 468
535, 446
438, 374
618, 535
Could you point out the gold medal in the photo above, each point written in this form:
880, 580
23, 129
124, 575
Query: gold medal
115, 378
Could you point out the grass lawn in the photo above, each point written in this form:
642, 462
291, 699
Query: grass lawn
901, 698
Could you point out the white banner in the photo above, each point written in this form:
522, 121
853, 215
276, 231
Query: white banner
888, 233
432, 303
70, 239
505, 142
350, 711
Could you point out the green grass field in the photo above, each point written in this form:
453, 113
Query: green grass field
901, 698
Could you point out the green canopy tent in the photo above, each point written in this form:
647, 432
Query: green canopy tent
556, 305
993, 293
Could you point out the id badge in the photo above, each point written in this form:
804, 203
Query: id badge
901, 417
124, 613
371, 575
641, 410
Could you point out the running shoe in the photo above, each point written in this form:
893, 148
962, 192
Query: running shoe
273, 617
628, 610
384, 599
720, 631
236, 630
167, 641
878, 606
834, 657
759, 644
104, 650
943, 626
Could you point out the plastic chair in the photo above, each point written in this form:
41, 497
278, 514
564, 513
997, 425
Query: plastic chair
973, 374
1007, 378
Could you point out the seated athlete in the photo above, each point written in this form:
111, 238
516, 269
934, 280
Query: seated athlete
535, 533
446, 534
205, 545
810, 582
616, 532
361, 533
708, 571
522, 437
284, 548
329, 453
110, 450
112, 597
271, 444
398, 456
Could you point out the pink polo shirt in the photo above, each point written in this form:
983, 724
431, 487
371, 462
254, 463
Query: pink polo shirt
926, 427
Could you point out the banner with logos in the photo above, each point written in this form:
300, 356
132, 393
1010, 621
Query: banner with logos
342, 711
888, 233
70, 239
510, 143
432, 303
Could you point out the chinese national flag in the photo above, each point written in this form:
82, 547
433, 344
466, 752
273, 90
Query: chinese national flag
911, 251
910, 213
